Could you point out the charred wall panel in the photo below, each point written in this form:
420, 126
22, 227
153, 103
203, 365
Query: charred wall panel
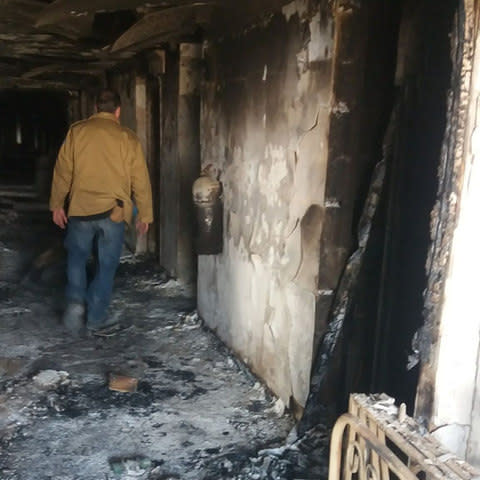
265, 118
350, 265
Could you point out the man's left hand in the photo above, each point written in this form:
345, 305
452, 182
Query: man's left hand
142, 228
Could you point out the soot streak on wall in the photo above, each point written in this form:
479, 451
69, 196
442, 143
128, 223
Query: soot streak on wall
265, 116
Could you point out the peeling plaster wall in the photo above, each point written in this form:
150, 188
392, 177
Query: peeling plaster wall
265, 119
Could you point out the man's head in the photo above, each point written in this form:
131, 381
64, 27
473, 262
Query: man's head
108, 101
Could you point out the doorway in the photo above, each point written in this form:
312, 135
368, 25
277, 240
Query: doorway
388, 306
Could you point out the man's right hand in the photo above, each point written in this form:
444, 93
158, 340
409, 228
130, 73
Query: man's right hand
60, 218
142, 228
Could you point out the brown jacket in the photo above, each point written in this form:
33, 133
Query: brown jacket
99, 163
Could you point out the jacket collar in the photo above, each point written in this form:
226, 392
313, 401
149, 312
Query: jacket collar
106, 115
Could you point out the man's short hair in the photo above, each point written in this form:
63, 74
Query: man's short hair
107, 101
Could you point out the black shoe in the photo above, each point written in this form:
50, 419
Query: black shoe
110, 330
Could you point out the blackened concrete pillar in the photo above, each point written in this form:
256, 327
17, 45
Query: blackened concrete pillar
188, 154
168, 181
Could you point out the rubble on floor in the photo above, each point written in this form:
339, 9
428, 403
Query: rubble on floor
51, 379
304, 458
197, 412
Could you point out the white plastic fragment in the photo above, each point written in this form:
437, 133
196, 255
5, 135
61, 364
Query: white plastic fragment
279, 407
51, 379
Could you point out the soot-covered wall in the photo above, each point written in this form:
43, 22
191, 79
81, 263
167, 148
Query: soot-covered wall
265, 117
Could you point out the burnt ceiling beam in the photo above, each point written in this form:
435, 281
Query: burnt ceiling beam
23, 3
92, 70
165, 22
22, 8
68, 43
12, 83
59, 10
26, 49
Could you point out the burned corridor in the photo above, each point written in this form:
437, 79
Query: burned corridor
197, 412
335, 145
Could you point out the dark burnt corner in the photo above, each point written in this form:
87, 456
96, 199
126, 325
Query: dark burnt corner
313, 169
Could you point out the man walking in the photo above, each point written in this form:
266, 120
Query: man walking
99, 166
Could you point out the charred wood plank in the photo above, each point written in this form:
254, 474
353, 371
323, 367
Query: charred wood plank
86, 69
316, 411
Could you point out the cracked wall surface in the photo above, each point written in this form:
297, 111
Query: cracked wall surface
265, 122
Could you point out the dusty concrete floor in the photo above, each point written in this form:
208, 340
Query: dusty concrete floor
198, 414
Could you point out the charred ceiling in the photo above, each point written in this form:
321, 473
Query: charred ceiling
69, 44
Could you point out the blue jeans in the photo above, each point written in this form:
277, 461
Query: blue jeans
105, 239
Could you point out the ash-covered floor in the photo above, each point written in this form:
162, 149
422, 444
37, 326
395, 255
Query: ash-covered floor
198, 412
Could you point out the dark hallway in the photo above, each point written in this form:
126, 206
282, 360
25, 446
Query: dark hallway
33, 125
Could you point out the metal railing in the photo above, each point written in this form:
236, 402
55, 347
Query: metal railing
376, 440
